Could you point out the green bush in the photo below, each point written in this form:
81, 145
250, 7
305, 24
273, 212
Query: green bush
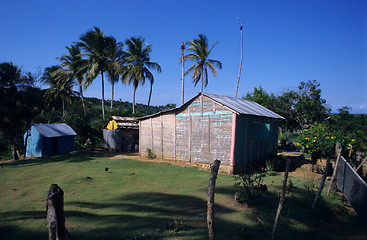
250, 184
319, 141
150, 154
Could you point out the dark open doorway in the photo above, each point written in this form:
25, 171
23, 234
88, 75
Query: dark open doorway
54, 145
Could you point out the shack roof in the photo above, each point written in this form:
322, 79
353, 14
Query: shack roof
243, 106
54, 130
125, 122
237, 105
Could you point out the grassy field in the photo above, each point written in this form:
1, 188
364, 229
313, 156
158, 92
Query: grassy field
148, 200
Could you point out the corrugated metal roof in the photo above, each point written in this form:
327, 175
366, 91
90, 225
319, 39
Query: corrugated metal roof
243, 106
125, 122
118, 118
237, 105
54, 130
127, 125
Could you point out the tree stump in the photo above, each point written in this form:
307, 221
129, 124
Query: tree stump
55, 214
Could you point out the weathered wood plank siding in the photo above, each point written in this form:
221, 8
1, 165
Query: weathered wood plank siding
203, 132
157, 133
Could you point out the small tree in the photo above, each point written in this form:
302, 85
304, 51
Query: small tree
317, 141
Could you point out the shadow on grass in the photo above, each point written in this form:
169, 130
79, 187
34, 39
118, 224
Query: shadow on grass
77, 156
329, 220
153, 214
13, 232
150, 215
147, 215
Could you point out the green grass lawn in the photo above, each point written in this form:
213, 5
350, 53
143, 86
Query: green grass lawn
141, 200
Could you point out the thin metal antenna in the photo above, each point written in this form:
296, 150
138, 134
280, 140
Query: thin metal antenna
239, 74
183, 74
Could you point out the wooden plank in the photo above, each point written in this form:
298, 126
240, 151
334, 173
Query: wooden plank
233, 142
160, 118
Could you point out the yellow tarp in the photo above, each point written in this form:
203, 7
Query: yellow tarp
112, 125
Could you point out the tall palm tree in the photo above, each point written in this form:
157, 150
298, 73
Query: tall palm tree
137, 65
61, 86
77, 67
95, 45
116, 57
200, 55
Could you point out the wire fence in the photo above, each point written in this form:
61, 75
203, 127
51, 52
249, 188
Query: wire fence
353, 187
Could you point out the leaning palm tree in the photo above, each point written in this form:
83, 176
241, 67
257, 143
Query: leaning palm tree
200, 55
61, 86
95, 44
137, 65
116, 57
77, 66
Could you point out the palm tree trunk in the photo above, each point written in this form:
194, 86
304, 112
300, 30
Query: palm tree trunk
63, 108
82, 97
134, 99
102, 96
202, 80
150, 95
113, 86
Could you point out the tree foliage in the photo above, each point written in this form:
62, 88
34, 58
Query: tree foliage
200, 52
299, 107
137, 65
97, 48
19, 104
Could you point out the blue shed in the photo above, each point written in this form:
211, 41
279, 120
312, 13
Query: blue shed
49, 139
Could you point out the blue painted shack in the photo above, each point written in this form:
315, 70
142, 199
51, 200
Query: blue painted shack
208, 127
49, 139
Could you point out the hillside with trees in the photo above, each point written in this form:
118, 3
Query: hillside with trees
24, 104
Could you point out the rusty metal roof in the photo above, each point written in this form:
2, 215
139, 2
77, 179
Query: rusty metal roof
243, 106
54, 130
118, 118
125, 122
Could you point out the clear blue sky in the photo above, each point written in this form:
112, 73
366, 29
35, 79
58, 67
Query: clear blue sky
285, 42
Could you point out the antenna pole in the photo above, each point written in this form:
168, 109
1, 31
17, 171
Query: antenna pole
183, 74
239, 74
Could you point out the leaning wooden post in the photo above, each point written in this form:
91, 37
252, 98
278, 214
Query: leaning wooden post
360, 165
321, 183
339, 152
55, 214
282, 197
211, 190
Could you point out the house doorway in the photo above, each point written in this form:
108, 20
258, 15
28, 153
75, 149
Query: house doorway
54, 145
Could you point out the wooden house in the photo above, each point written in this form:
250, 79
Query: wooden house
49, 139
208, 127
121, 133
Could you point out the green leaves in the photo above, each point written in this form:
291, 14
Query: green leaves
200, 55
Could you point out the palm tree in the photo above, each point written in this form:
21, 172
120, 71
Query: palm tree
61, 86
95, 45
116, 56
137, 65
200, 55
77, 66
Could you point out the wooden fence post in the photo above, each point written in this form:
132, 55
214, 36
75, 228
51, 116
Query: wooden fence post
339, 152
360, 165
55, 214
211, 190
282, 197
321, 183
